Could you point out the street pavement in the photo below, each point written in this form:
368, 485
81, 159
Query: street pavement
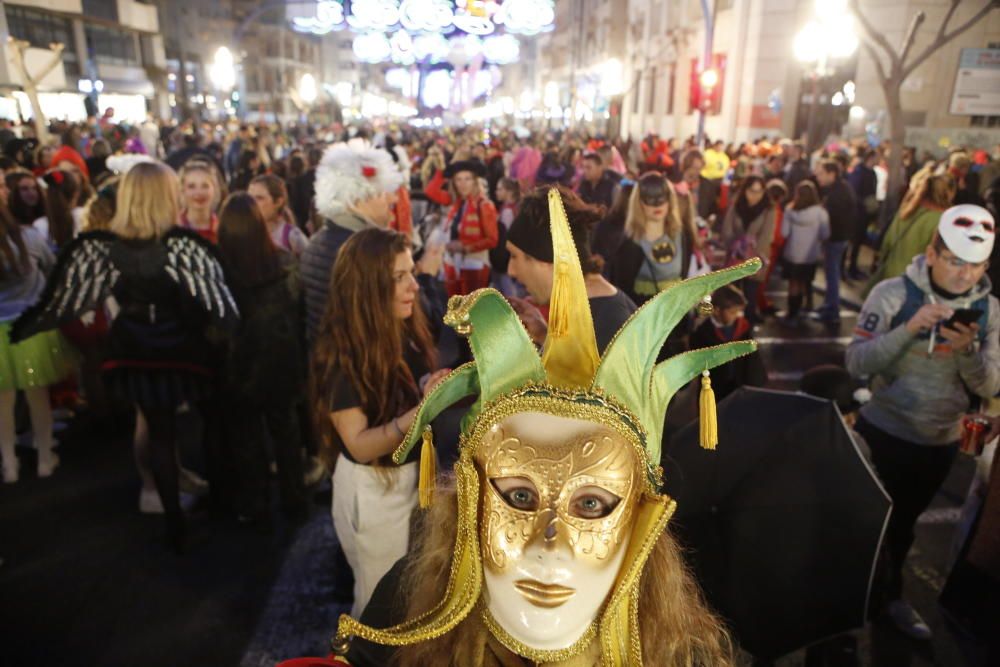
86, 581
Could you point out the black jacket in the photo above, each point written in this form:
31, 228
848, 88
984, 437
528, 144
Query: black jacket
315, 267
603, 193
842, 206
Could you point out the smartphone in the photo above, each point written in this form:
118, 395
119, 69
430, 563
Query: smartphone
964, 316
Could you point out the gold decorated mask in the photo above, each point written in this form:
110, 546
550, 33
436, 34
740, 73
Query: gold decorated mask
558, 498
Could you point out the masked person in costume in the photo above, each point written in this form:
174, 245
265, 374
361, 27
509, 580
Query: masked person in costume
548, 546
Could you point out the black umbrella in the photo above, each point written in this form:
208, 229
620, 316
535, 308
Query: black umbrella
783, 521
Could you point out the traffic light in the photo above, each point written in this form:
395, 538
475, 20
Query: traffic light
706, 85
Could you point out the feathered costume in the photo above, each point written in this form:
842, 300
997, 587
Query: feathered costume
168, 290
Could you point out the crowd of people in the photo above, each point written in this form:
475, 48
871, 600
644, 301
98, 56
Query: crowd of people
289, 285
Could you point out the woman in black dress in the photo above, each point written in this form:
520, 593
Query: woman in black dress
169, 286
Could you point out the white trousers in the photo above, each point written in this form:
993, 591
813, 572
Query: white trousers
372, 521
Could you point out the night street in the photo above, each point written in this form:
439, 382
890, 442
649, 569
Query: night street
86, 582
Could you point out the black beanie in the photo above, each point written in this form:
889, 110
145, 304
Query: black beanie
530, 231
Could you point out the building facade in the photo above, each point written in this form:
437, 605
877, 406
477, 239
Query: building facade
112, 58
762, 88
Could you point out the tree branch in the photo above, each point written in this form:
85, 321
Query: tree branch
879, 70
947, 18
911, 34
875, 36
943, 39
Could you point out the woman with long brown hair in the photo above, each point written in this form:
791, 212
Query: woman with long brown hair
265, 369
372, 360
63, 212
747, 231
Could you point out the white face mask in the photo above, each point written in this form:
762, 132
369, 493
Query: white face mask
969, 231
559, 627
559, 496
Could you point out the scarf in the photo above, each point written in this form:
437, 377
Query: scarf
747, 213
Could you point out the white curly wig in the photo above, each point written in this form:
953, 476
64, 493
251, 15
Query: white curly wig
122, 164
348, 175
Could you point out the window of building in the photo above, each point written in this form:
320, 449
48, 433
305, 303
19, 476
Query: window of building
40, 29
652, 90
111, 46
101, 9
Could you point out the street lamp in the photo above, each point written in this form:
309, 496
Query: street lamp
829, 36
222, 71
307, 88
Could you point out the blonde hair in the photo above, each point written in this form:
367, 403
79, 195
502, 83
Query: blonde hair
676, 627
148, 202
205, 167
636, 220
926, 187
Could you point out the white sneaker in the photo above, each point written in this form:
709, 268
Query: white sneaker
908, 621
47, 463
10, 471
149, 502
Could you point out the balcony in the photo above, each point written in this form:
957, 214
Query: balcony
138, 16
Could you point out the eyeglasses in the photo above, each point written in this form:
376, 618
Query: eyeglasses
956, 263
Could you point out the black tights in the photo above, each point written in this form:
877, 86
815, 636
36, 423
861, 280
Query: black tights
162, 424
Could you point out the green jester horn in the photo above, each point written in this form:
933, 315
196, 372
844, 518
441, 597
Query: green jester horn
505, 360
628, 369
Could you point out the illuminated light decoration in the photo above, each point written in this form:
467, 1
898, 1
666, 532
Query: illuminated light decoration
329, 16
372, 47
401, 110
401, 45
432, 48
426, 15
482, 83
473, 17
373, 105
501, 49
373, 14
526, 17
397, 77
463, 50
437, 89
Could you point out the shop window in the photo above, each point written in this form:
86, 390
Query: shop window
111, 46
40, 29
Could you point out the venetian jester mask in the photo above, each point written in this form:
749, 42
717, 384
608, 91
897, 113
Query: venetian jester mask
558, 477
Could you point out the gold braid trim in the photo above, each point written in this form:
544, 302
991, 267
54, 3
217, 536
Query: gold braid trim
619, 632
534, 654
464, 580
592, 405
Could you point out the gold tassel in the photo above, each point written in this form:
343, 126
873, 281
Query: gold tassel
428, 470
708, 422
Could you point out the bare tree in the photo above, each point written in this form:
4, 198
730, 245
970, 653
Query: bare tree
30, 81
893, 66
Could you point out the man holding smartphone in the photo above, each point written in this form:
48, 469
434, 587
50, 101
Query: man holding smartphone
927, 340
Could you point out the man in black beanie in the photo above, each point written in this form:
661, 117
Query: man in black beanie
529, 241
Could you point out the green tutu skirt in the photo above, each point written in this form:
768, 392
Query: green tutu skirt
39, 361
